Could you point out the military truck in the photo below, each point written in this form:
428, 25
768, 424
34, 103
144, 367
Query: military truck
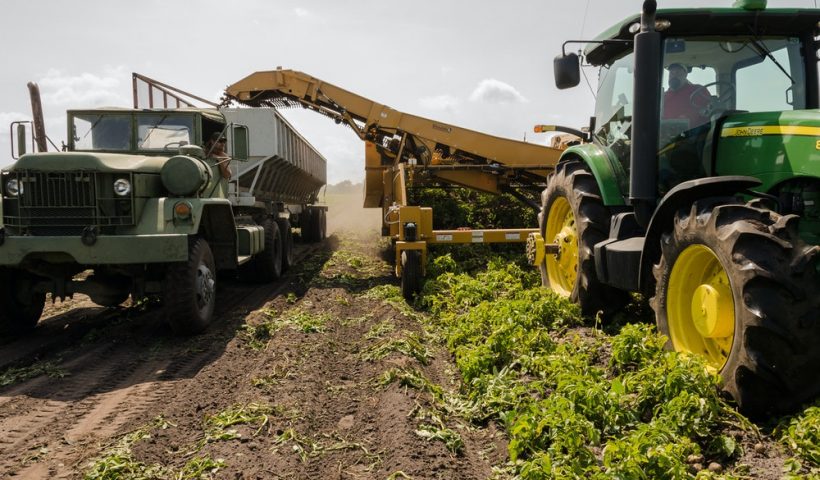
698, 185
136, 206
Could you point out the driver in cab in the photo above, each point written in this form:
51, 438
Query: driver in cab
684, 100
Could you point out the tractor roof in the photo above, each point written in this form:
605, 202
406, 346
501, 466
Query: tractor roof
709, 21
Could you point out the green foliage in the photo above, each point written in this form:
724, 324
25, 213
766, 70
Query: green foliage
576, 402
459, 207
410, 345
802, 435
14, 375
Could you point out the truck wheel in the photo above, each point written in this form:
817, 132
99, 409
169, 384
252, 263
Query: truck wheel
287, 243
317, 224
573, 216
306, 225
189, 295
737, 286
410, 274
20, 306
266, 266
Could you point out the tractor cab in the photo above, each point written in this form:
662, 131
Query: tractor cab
699, 187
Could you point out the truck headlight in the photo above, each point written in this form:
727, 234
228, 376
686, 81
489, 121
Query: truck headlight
122, 187
14, 187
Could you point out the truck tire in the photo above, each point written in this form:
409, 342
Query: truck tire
189, 295
287, 243
266, 266
323, 224
20, 306
737, 286
574, 216
317, 224
410, 274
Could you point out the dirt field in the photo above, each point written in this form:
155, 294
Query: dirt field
290, 382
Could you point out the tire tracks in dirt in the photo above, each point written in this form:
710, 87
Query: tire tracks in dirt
110, 384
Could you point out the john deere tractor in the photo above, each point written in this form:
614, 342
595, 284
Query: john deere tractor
698, 185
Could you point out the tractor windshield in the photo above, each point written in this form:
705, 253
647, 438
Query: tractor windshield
705, 78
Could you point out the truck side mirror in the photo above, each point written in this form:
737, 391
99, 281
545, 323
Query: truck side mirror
567, 70
240, 142
21, 139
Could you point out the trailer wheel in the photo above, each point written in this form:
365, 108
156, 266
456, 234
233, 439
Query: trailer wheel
266, 266
573, 216
287, 243
189, 295
306, 225
20, 306
318, 222
737, 286
410, 274
322, 224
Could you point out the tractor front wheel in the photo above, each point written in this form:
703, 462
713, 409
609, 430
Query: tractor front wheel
574, 217
737, 286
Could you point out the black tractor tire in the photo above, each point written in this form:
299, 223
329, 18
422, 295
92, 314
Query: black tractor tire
411, 276
287, 243
266, 266
773, 364
20, 306
189, 294
573, 182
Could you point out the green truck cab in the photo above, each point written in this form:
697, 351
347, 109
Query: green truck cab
136, 206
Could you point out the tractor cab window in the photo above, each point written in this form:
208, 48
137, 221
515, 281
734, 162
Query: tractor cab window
105, 132
706, 78
613, 108
164, 131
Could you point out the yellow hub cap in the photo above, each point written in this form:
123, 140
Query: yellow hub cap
562, 268
699, 306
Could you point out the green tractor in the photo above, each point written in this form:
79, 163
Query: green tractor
698, 185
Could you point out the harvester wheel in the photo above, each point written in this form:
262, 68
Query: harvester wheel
737, 286
287, 243
266, 266
574, 217
189, 295
410, 274
20, 307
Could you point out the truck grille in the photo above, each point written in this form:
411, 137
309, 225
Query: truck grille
63, 203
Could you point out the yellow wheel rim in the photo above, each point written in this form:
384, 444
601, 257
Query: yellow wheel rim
699, 306
562, 268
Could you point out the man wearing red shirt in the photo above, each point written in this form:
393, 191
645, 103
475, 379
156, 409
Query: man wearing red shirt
683, 99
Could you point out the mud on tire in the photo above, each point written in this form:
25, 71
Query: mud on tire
772, 365
573, 181
189, 295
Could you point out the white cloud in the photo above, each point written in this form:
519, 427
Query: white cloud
301, 12
491, 90
85, 90
439, 102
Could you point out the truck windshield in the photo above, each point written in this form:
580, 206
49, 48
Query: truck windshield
164, 132
101, 132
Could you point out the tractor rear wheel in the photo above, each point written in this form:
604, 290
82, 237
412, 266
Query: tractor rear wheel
574, 217
737, 286
20, 306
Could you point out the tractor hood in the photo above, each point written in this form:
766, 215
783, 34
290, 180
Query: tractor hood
100, 162
772, 146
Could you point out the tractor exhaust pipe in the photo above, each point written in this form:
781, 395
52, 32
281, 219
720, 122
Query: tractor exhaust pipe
37, 117
643, 190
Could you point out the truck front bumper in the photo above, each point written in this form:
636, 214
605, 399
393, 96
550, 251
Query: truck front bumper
106, 250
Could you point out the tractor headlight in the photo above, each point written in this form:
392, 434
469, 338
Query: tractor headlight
122, 187
14, 187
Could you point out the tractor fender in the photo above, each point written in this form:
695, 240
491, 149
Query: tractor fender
607, 172
680, 196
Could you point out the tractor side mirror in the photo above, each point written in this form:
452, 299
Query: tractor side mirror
567, 70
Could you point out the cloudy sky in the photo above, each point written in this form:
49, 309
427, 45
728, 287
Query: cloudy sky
480, 64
